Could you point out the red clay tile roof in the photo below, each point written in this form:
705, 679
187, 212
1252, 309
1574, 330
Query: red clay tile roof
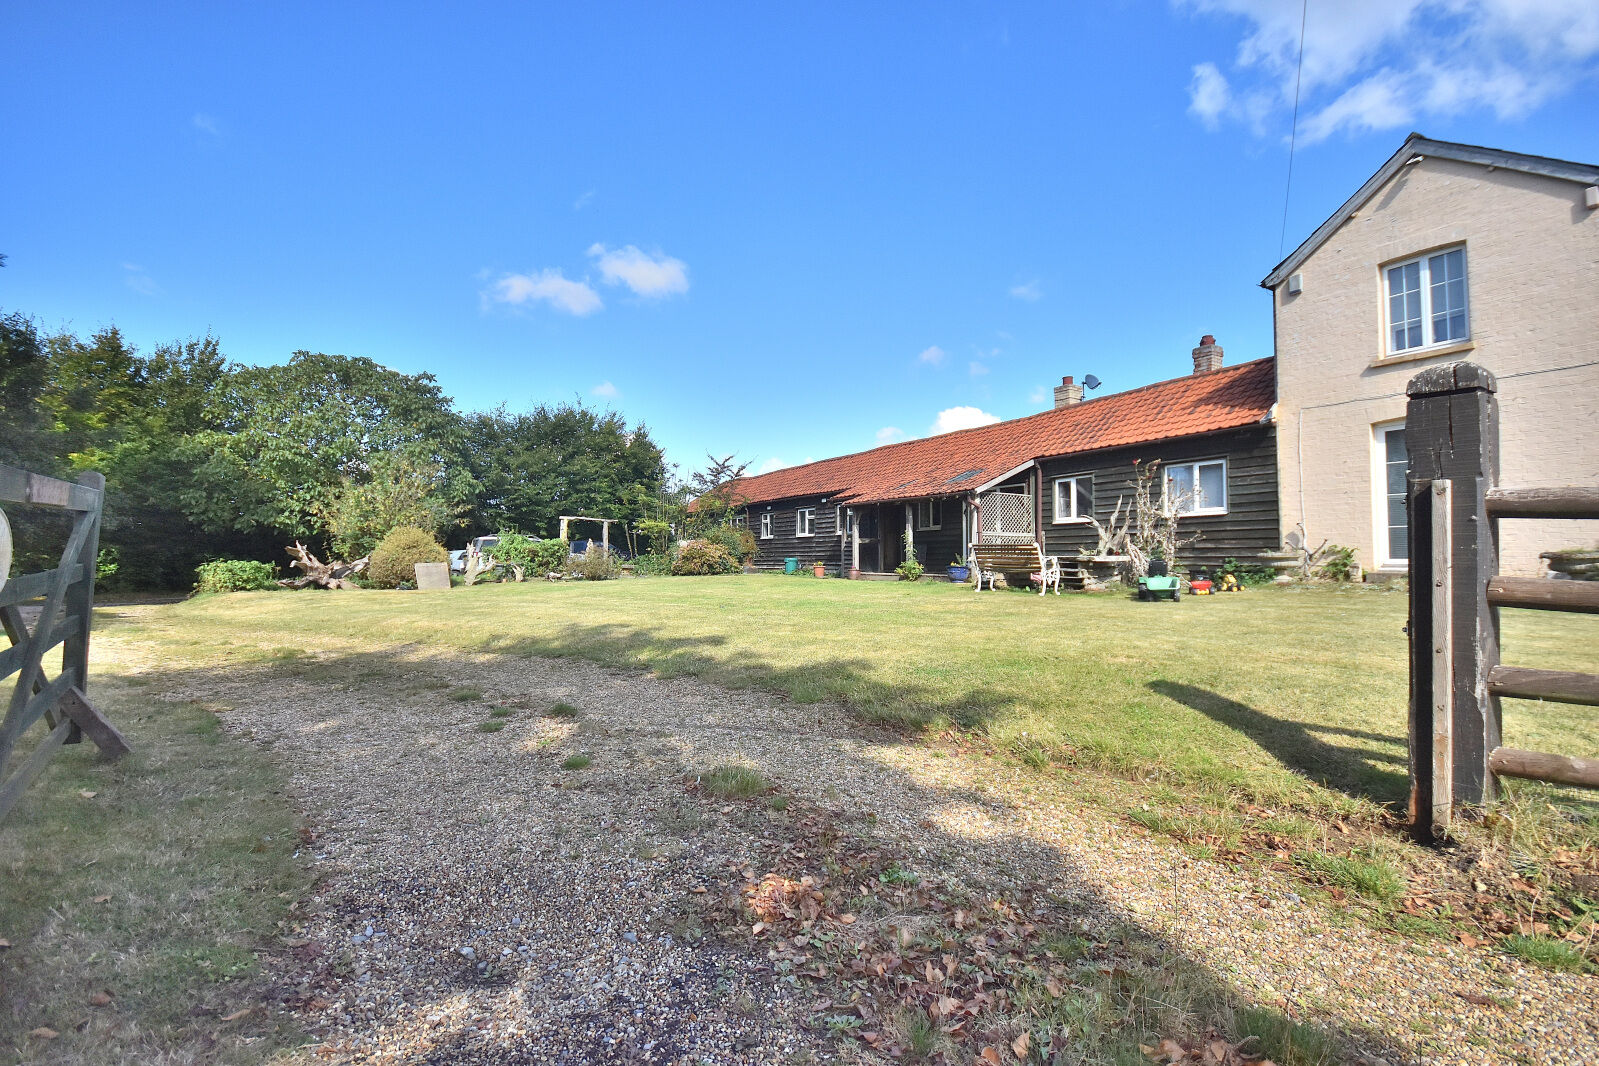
1229, 398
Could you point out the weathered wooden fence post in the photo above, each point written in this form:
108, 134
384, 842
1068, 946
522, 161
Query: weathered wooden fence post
1452, 436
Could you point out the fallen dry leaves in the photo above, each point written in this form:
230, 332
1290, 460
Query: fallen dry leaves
977, 967
1212, 1050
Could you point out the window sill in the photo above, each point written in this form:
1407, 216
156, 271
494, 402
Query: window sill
1417, 354
1215, 513
1069, 522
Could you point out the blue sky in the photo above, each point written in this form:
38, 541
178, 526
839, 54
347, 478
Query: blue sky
783, 231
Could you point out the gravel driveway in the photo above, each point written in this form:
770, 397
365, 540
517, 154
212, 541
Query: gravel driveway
479, 903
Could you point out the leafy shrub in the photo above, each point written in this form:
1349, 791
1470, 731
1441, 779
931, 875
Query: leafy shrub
394, 560
1338, 563
550, 555
597, 564
701, 557
234, 575
653, 563
909, 570
515, 551
1248, 573
655, 536
739, 543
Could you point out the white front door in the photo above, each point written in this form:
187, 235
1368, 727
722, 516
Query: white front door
1393, 523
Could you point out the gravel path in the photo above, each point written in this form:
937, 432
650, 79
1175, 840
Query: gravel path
481, 904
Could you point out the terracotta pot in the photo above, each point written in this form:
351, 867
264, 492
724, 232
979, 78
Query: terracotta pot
819, 570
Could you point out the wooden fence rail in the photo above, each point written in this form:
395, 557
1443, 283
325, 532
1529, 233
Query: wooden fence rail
67, 593
1456, 592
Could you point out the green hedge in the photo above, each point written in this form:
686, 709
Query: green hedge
235, 575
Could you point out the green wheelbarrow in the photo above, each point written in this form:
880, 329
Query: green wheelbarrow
1159, 585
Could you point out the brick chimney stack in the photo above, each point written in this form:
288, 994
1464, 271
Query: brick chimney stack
1068, 392
1208, 355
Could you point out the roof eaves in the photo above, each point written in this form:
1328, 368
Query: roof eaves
1006, 476
1416, 145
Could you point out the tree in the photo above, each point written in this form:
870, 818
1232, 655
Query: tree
295, 441
23, 372
555, 460
715, 491
401, 491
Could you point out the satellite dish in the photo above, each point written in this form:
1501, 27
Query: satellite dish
1091, 381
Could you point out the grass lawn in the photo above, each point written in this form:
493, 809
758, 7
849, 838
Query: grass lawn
136, 896
1282, 696
145, 894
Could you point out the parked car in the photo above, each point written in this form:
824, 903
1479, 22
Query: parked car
480, 546
581, 548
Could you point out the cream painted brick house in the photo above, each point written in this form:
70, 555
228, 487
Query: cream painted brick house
1449, 252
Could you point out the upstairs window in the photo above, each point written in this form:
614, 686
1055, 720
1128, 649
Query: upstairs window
1427, 301
930, 514
1074, 499
805, 522
1198, 488
766, 526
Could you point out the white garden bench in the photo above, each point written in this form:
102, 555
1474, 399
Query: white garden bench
991, 560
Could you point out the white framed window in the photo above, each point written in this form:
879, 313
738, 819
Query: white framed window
1427, 301
766, 525
805, 522
844, 520
929, 514
1199, 488
741, 521
1074, 499
1392, 466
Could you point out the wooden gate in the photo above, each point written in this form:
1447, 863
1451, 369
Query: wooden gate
1456, 678
67, 593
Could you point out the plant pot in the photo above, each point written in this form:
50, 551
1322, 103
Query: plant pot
960, 573
819, 570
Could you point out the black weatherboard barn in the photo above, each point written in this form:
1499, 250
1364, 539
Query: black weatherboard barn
1040, 478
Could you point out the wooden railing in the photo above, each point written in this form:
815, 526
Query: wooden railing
67, 593
1456, 593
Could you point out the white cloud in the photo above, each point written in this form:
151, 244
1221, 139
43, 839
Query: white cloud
206, 124
1028, 291
1040, 394
976, 369
583, 201
1388, 64
1375, 104
1208, 95
774, 463
961, 418
605, 389
932, 355
547, 286
890, 434
139, 281
647, 275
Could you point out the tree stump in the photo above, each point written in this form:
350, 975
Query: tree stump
333, 574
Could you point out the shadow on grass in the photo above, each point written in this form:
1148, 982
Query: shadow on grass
1297, 747
1167, 989
901, 704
